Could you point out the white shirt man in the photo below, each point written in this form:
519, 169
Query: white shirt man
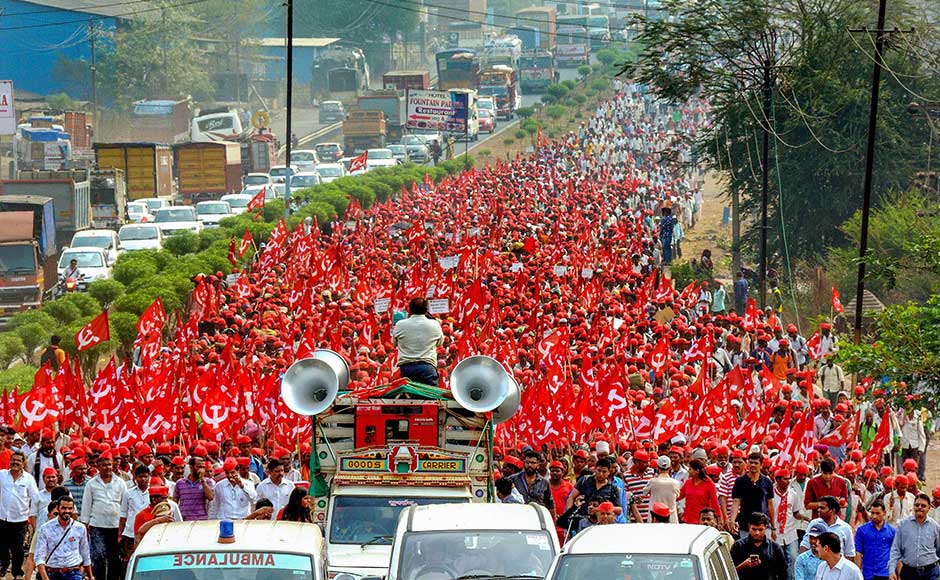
62, 542
786, 534
234, 496
17, 495
275, 487
101, 503
136, 499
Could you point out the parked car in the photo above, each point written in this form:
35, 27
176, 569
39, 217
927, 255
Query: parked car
380, 158
92, 263
400, 152
305, 179
331, 111
330, 171
304, 159
679, 551
418, 153
238, 202
107, 240
486, 104
487, 121
138, 213
279, 172
256, 179
140, 237
154, 203
329, 152
210, 213
177, 219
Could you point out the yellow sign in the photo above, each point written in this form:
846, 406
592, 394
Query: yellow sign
260, 119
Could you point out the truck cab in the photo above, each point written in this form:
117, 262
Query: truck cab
500, 83
27, 253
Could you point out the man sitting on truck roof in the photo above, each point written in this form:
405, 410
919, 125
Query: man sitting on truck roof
417, 338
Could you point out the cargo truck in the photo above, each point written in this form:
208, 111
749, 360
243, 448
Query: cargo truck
392, 104
148, 167
402, 80
161, 120
537, 71
70, 192
258, 154
542, 17
206, 171
363, 130
374, 453
457, 68
500, 83
28, 268
108, 198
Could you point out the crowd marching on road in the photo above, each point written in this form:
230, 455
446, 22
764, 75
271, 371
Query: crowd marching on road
641, 402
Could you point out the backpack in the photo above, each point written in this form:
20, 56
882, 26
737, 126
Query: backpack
49, 355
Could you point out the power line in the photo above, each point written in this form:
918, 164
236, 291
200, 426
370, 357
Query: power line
93, 18
53, 10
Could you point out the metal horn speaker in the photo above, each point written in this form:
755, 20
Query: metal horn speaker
510, 404
479, 383
310, 385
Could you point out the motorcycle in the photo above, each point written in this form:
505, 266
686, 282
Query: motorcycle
70, 284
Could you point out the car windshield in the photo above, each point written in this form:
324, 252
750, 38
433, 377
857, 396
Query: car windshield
103, 242
143, 233
136, 208
633, 566
399, 149
380, 154
238, 202
331, 106
304, 181
230, 565
330, 171
153, 204
361, 519
279, 171
485, 113
466, 553
303, 156
17, 259
256, 179
327, 149
85, 259
485, 104
213, 208
183, 214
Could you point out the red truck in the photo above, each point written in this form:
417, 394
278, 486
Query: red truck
500, 83
402, 80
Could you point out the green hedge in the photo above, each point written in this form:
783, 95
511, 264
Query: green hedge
141, 276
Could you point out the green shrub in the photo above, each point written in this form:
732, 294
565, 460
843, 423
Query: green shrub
555, 111
584, 70
570, 84
608, 56
508, 141
124, 327
11, 348
130, 268
600, 84
521, 134
105, 291
31, 317
579, 99
556, 91
525, 112
18, 376
182, 243
64, 311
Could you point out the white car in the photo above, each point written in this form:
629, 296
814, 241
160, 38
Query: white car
177, 219
279, 172
140, 237
154, 203
304, 159
304, 179
330, 171
210, 213
92, 263
107, 240
138, 213
238, 202
270, 191
256, 179
679, 551
381, 158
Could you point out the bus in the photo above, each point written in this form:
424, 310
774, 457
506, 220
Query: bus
457, 68
216, 125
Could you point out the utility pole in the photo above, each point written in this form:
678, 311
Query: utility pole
765, 182
94, 75
163, 34
290, 90
869, 164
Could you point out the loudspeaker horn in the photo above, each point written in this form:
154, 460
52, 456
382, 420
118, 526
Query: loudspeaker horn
510, 404
479, 383
310, 385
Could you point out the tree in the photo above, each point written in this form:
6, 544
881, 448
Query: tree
821, 75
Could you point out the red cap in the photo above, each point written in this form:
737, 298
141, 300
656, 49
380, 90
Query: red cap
782, 473
46, 434
230, 464
556, 464
177, 461
581, 453
737, 454
513, 460
606, 507
243, 461
242, 439
200, 451
78, 463
850, 467
886, 471
49, 471
801, 468
159, 490
163, 449
660, 509
910, 464
641, 455
712, 470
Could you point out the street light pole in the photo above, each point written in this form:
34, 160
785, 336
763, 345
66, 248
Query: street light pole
290, 90
765, 184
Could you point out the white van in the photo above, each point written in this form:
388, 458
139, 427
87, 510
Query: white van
261, 550
440, 542
674, 551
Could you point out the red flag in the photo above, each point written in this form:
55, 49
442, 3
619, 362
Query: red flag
751, 315
246, 243
880, 442
659, 357
813, 347
842, 434
837, 301
257, 202
359, 162
39, 407
93, 333
232, 256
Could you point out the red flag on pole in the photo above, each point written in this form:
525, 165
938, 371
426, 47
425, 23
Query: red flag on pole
837, 301
93, 333
359, 162
880, 442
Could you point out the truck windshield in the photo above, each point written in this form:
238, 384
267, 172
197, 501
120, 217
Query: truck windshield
470, 553
370, 519
17, 259
535, 62
634, 566
493, 91
229, 565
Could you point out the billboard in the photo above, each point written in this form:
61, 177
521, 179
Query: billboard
7, 116
436, 110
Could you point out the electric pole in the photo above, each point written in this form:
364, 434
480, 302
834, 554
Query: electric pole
290, 90
94, 75
765, 181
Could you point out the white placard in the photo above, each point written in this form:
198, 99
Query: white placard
351, 225
618, 322
449, 262
438, 306
516, 267
7, 114
431, 290
587, 272
560, 270
382, 304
